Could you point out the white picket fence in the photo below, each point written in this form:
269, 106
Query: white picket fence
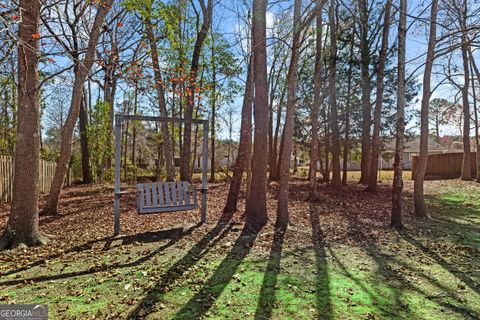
47, 171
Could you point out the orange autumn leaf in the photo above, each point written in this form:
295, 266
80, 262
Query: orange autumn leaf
36, 36
120, 24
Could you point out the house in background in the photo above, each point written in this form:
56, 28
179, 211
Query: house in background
412, 148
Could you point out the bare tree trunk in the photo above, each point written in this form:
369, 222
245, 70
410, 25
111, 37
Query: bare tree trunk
317, 88
126, 110
275, 169
167, 141
477, 134
134, 131
195, 138
214, 102
466, 164
248, 167
396, 219
273, 138
185, 172
377, 117
256, 206
67, 130
22, 226
245, 135
86, 170
326, 174
346, 146
282, 208
280, 152
158, 167
109, 97
477, 137
366, 91
336, 178
418, 196
272, 83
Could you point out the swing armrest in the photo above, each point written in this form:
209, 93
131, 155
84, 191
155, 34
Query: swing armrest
121, 193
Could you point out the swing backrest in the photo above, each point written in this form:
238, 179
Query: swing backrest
159, 197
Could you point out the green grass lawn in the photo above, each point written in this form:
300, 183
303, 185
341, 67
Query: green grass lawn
217, 271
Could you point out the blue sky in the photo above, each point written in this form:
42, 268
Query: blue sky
227, 22
416, 41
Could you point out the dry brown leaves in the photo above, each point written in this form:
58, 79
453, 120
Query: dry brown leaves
347, 216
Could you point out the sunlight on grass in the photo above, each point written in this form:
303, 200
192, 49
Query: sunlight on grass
430, 272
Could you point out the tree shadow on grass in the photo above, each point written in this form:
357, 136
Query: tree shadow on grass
400, 271
78, 248
324, 306
267, 296
202, 247
449, 267
173, 234
445, 213
400, 274
203, 300
444, 230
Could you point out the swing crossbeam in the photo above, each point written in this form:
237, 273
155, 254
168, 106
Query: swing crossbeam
160, 197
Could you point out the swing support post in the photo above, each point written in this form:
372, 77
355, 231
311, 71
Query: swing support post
118, 147
204, 172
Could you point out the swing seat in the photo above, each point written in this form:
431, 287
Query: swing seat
160, 197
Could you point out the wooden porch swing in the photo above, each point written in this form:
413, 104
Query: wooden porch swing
158, 197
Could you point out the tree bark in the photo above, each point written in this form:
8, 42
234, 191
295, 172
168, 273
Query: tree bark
317, 88
167, 141
245, 136
366, 91
185, 172
256, 206
22, 226
83, 119
418, 196
477, 134
377, 117
282, 208
109, 97
275, 169
273, 137
214, 104
346, 145
67, 130
326, 172
466, 164
134, 131
336, 178
396, 218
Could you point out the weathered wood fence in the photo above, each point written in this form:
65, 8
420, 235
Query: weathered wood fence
47, 171
445, 165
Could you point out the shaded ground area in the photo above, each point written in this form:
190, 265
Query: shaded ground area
338, 260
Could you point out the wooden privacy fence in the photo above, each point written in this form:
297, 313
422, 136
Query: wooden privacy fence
47, 171
445, 165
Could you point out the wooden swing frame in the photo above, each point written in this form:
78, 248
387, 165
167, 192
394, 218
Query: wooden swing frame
119, 119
